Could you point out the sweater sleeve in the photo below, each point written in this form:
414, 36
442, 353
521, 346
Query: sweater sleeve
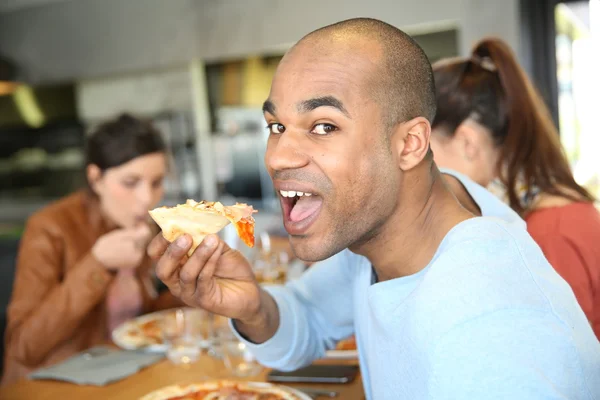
315, 312
504, 355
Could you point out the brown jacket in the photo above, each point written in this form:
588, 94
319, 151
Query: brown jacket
57, 307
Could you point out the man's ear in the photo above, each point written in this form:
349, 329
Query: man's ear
410, 142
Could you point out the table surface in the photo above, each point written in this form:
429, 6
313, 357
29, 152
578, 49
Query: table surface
154, 377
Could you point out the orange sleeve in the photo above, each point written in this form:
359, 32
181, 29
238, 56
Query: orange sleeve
45, 307
564, 255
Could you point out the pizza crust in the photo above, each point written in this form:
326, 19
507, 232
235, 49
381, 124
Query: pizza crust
200, 219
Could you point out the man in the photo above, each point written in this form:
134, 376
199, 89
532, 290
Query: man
443, 304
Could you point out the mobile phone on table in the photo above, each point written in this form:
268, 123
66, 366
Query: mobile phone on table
316, 374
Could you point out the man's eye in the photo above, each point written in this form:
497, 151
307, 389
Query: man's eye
276, 128
323, 129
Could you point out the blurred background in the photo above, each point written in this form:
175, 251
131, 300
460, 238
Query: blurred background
202, 68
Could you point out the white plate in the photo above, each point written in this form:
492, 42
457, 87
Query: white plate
342, 354
299, 394
118, 334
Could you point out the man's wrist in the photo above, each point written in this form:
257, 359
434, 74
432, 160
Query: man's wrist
259, 317
261, 325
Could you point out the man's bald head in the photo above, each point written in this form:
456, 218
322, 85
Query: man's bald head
403, 84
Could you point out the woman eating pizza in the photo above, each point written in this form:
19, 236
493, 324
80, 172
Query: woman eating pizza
82, 267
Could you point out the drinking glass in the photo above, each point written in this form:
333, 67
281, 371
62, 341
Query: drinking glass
221, 333
238, 360
183, 335
225, 346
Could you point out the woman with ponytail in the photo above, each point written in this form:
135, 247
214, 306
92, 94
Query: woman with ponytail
491, 124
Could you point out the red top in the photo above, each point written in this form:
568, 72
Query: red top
570, 238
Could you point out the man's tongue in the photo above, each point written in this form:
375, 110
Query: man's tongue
305, 207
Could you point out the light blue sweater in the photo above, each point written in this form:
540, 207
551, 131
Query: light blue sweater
488, 318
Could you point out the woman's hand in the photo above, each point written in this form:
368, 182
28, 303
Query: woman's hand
122, 248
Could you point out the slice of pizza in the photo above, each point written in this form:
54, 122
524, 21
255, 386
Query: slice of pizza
199, 219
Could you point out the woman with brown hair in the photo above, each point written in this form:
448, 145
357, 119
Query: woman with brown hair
492, 124
82, 267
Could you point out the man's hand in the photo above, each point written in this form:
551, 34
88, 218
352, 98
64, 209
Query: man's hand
217, 279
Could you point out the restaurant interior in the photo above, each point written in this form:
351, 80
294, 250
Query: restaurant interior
200, 71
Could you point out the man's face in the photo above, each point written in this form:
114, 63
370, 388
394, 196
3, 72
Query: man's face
327, 151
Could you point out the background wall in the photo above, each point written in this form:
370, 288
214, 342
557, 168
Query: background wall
74, 39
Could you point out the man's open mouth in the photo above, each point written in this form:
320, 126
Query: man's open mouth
300, 209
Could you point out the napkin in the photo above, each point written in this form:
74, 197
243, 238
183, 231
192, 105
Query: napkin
98, 366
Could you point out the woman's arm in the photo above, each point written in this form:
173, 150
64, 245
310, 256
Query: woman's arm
47, 307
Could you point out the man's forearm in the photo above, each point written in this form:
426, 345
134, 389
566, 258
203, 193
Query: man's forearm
264, 324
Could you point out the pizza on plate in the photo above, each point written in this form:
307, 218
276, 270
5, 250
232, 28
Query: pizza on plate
346, 344
223, 390
143, 332
199, 219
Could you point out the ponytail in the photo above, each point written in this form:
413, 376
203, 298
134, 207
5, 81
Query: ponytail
531, 152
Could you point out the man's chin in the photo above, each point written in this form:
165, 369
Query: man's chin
311, 250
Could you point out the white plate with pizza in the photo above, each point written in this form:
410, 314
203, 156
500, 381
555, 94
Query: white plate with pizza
226, 390
143, 333
345, 349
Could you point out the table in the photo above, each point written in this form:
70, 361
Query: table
154, 377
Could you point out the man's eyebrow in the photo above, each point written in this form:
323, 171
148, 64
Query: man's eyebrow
268, 107
325, 101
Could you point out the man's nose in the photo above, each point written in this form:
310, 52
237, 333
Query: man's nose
286, 152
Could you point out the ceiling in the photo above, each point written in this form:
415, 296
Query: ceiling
17, 5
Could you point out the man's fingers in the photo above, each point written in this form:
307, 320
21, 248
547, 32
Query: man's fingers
188, 275
157, 246
205, 278
167, 269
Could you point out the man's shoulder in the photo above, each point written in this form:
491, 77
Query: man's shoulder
487, 234
486, 265
489, 254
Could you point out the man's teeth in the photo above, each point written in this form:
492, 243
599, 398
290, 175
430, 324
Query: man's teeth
292, 193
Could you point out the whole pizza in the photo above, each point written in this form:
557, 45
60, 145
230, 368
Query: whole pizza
225, 390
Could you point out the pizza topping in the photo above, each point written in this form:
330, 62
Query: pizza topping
222, 390
347, 344
203, 395
234, 213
